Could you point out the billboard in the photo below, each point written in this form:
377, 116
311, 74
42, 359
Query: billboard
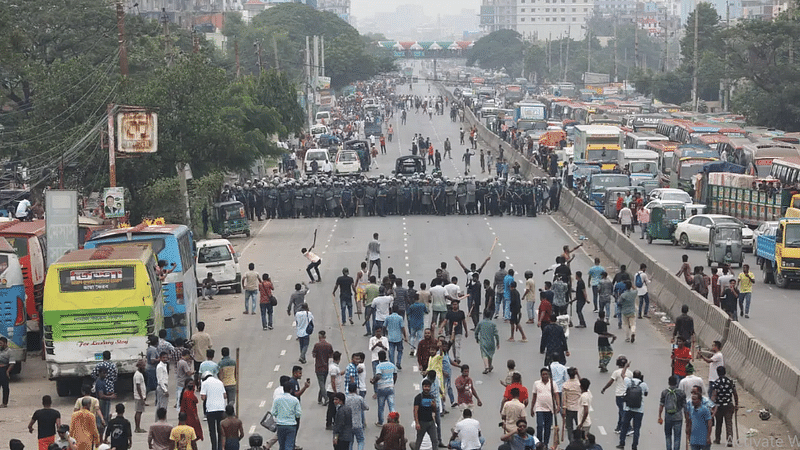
323, 83
61, 208
137, 131
114, 202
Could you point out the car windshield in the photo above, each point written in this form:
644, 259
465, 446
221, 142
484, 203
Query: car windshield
319, 156
348, 156
213, 254
677, 196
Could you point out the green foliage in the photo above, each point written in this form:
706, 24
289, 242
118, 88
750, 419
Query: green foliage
347, 55
162, 198
502, 49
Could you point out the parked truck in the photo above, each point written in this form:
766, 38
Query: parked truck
597, 143
778, 255
732, 194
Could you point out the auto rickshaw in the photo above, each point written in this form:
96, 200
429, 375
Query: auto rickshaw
664, 217
230, 218
725, 244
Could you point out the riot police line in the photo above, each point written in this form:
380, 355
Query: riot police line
417, 194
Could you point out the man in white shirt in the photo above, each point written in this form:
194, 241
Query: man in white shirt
716, 360
467, 433
334, 383
691, 380
23, 209
451, 290
382, 305
374, 254
644, 298
377, 343
162, 377
618, 380
302, 319
438, 304
212, 391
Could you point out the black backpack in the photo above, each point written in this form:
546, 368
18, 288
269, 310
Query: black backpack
633, 395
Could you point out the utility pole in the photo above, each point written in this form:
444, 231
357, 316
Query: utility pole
666, 41
123, 53
322, 56
236, 52
309, 92
275, 52
112, 156
167, 41
616, 19
566, 64
636, 36
588, 49
695, 96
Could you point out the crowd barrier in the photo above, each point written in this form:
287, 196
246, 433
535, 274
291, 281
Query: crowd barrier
772, 379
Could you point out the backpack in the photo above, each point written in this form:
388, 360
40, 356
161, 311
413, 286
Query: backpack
671, 402
633, 395
310, 326
638, 280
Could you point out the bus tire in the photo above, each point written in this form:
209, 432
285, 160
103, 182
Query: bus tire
237, 288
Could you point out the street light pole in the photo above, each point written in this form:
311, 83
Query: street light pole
695, 96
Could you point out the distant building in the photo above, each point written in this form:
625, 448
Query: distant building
553, 19
499, 15
726, 9
339, 7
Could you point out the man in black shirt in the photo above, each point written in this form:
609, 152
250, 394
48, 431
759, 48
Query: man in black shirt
424, 411
516, 313
684, 326
118, 431
729, 298
456, 325
347, 288
489, 296
474, 299
49, 420
580, 297
604, 349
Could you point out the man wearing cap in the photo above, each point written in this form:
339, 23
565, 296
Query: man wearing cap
212, 391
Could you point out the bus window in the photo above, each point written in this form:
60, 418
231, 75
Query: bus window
20, 245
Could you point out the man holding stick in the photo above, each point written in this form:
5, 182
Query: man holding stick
314, 260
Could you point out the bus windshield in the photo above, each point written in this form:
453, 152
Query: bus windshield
20, 245
690, 169
643, 167
792, 236
601, 155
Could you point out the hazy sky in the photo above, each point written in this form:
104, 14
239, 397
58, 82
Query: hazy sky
366, 8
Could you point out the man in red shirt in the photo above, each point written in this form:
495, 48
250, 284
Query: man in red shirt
545, 309
516, 382
383, 145
681, 356
466, 389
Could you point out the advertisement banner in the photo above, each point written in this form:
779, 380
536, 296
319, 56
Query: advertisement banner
137, 131
61, 208
114, 202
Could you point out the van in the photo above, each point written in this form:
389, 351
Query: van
321, 156
318, 130
347, 163
218, 257
323, 117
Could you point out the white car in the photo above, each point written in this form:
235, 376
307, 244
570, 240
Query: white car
670, 194
694, 230
347, 163
765, 228
217, 257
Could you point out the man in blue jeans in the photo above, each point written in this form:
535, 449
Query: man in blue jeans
396, 333
250, 282
672, 403
286, 411
595, 273
384, 380
633, 412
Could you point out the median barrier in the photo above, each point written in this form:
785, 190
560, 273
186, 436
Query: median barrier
716, 322
736, 348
